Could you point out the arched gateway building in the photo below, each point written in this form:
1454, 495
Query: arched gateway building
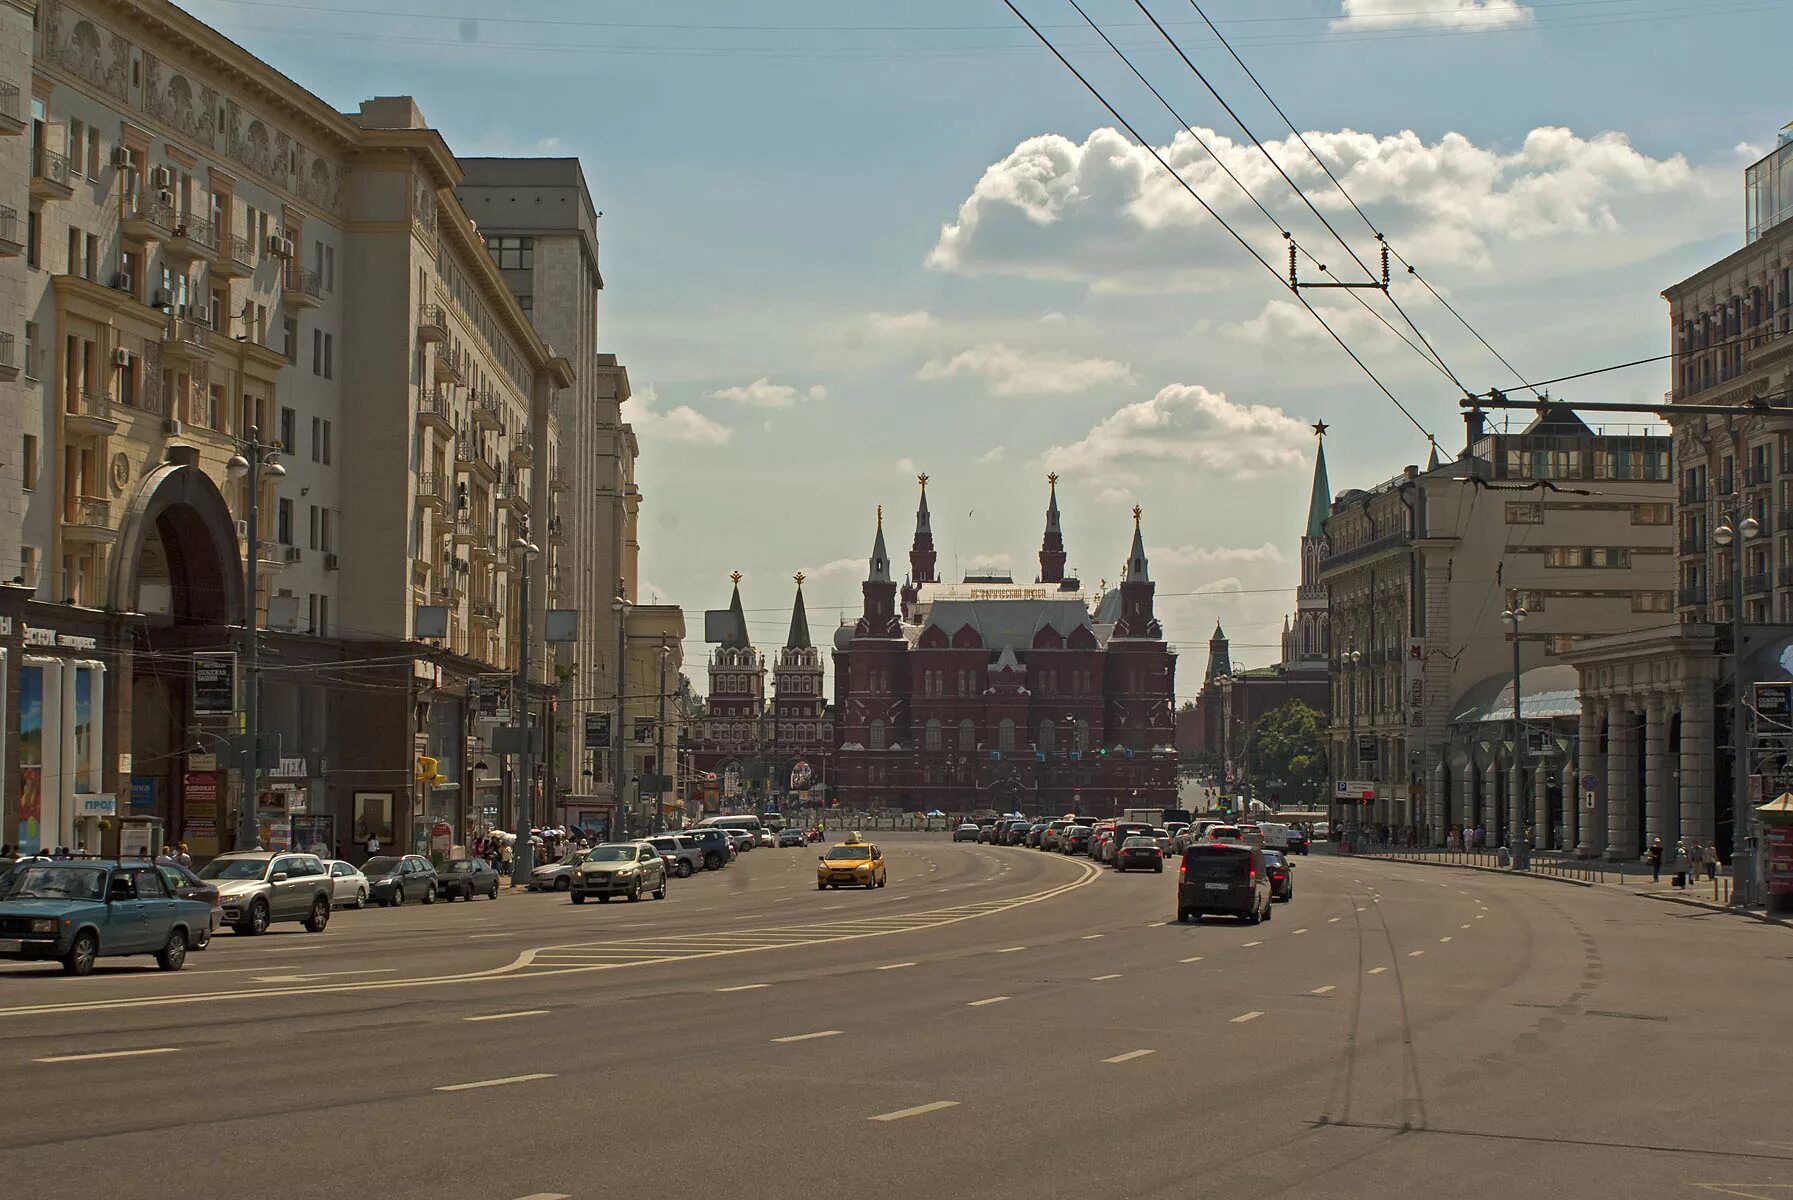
989, 694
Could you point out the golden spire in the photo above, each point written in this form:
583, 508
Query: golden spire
799, 578
1102, 587
880, 516
923, 480
1052, 480
735, 578
1136, 512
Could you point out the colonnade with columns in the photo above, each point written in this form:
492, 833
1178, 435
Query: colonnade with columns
1651, 752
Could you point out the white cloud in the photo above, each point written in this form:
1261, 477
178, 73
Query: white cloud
1283, 321
840, 568
1268, 552
1010, 372
1104, 213
993, 455
1458, 14
681, 423
901, 325
906, 466
1186, 425
763, 393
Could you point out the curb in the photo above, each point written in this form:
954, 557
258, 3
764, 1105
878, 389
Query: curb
1502, 871
1709, 906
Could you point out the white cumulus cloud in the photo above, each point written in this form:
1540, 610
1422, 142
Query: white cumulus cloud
681, 423
1456, 14
1186, 425
906, 466
1268, 552
994, 454
901, 325
1006, 371
763, 393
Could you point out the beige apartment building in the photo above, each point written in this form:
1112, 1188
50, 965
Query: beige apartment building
1574, 526
206, 250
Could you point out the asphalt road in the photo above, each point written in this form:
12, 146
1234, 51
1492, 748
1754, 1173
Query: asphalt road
996, 1023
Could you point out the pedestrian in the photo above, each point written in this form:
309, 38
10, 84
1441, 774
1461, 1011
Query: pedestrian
1683, 864
1655, 857
504, 857
182, 855
1696, 855
373, 845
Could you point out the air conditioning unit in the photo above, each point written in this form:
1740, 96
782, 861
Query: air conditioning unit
165, 198
161, 177
121, 357
121, 157
171, 427
286, 247
329, 562
162, 299
123, 282
199, 314
276, 245
293, 554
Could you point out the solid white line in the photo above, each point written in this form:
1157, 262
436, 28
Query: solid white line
1249, 945
808, 1037
1244, 1017
986, 1000
527, 1012
62, 1058
895, 966
1377, 970
1197, 958
1415, 953
1010, 949
745, 987
1100, 978
486, 1083
1129, 1056
917, 1111
1321, 991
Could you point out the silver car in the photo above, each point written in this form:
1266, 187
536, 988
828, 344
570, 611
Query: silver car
348, 885
258, 887
556, 876
689, 855
620, 869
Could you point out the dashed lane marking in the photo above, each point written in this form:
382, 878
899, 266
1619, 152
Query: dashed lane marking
1333, 920
1301, 931
1011, 949
895, 966
1244, 1017
1377, 970
1249, 945
1129, 1056
547, 1196
745, 987
1100, 978
1156, 924
918, 1110
986, 1000
509, 1016
1197, 958
1415, 953
1444, 939
808, 1037
1321, 991
64, 1058
486, 1083
1090, 937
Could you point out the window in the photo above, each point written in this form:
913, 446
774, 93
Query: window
967, 735
1047, 740
1652, 602
1596, 557
323, 625
28, 461
311, 611
214, 407
76, 243
512, 253
30, 363
77, 143
326, 442
289, 429
325, 542
317, 438
312, 542
1521, 513
317, 352
1005, 735
526, 302
1652, 514
34, 229
329, 356
934, 740
284, 522
877, 735
292, 340
90, 258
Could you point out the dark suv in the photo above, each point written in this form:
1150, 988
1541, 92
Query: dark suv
1225, 878
718, 847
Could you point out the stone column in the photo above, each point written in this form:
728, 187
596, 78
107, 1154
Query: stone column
1491, 783
1657, 821
1541, 831
1435, 802
1466, 788
1571, 830
1590, 824
1698, 763
1621, 781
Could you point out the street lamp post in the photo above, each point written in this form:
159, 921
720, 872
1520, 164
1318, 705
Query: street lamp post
253, 457
619, 821
1737, 531
660, 759
1516, 788
524, 550
1349, 660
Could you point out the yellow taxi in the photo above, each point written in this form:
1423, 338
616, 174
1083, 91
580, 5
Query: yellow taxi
853, 863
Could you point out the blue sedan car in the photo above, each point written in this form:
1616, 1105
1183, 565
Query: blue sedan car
74, 912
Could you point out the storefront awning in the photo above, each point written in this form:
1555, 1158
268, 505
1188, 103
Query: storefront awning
1545, 693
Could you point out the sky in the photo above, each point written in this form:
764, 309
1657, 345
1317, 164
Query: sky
847, 241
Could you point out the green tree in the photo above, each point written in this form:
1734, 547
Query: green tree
1287, 747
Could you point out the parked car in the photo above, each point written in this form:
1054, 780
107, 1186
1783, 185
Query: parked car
687, 856
467, 878
1282, 876
744, 839
1139, 854
986, 831
188, 886
556, 876
260, 887
620, 869
792, 837
966, 832
347, 884
1016, 834
73, 912
1226, 878
1076, 839
1035, 833
393, 879
1297, 840
718, 848
765, 837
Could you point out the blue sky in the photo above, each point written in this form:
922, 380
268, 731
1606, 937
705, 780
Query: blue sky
848, 239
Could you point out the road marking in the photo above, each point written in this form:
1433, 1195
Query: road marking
1415, 953
1363, 910
290, 949
1377, 970
917, 1111
474, 937
745, 987
1244, 1017
808, 1037
986, 1000
1301, 931
1444, 939
1333, 920
546, 1196
895, 966
1462, 927
486, 1083
1010, 949
1478, 916
506, 1016
1249, 945
320, 975
1129, 1056
1090, 937
1321, 991
62, 1058
1156, 924
1197, 958
1100, 978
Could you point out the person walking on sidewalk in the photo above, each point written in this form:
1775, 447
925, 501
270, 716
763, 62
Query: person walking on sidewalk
1696, 856
1655, 857
1683, 864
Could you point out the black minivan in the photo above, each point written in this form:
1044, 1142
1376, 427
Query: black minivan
1225, 878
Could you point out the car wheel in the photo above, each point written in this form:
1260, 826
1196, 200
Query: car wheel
361, 898
883, 880
80, 956
320, 915
398, 896
821, 887
712, 861
635, 891
258, 916
492, 892
1269, 910
205, 939
173, 956
429, 895
562, 884
467, 892
684, 868
660, 892
578, 897
1254, 916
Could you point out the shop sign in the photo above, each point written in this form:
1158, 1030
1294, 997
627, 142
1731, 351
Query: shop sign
214, 683
143, 794
200, 804
97, 806
291, 768
5, 626
49, 639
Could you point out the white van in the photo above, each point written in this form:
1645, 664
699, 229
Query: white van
748, 822
1276, 837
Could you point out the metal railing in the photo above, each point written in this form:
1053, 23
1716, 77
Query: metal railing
241, 250
1377, 545
9, 224
1694, 495
308, 283
90, 404
432, 402
89, 512
431, 486
432, 316
9, 102
1693, 595
1786, 576
197, 230
185, 331
1756, 584
47, 164
8, 353
1757, 475
1691, 544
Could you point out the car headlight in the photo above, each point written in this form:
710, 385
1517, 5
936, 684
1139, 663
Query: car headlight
43, 925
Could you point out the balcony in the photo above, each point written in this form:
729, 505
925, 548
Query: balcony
235, 258
88, 412
450, 366
484, 614
192, 240
556, 531
186, 340
487, 409
12, 112
432, 324
270, 555
1693, 544
1786, 576
1755, 585
88, 519
432, 491
147, 221
1757, 475
471, 532
513, 496
300, 288
475, 460
522, 455
49, 175
1692, 595
9, 357
1364, 550
559, 482
1721, 587
1694, 495
433, 411
10, 233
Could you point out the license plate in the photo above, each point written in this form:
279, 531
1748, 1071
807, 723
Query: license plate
1215, 887
10, 945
